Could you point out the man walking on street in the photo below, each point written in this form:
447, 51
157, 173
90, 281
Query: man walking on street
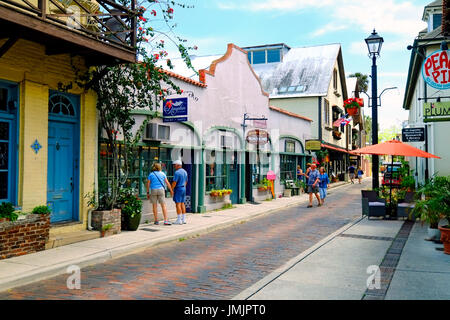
313, 178
179, 188
351, 172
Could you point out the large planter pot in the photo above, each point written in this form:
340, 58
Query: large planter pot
445, 238
131, 224
287, 192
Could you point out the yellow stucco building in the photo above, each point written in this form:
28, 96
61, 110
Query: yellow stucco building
48, 125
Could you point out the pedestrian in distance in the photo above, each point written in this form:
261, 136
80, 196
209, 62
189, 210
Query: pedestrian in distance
313, 184
299, 173
180, 179
360, 174
351, 172
323, 184
308, 167
156, 191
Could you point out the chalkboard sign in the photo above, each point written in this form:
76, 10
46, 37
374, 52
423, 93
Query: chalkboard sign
413, 134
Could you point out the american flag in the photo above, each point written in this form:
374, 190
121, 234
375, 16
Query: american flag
342, 121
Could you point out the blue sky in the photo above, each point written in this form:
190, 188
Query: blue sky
212, 24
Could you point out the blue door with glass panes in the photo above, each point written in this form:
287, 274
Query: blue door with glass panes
8, 144
62, 165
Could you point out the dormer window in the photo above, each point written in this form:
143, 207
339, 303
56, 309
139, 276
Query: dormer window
437, 20
264, 56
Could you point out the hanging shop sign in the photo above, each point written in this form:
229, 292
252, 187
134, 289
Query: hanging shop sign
436, 70
313, 145
413, 134
436, 111
175, 110
261, 124
259, 137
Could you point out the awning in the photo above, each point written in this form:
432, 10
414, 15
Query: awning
335, 148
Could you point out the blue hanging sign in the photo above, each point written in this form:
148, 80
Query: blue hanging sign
175, 110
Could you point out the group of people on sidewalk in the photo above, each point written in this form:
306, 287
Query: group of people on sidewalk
156, 191
351, 172
317, 181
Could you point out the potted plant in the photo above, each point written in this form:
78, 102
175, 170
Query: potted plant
262, 187
105, 228
131, 212
445, 210
214, 193
431, 207
352, 105
7, 212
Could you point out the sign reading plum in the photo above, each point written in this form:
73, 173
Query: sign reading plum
436, 70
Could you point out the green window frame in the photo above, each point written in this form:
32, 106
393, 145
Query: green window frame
216, 173
140, 163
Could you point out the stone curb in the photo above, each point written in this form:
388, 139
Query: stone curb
127, 249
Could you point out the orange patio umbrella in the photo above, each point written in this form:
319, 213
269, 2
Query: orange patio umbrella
394, 148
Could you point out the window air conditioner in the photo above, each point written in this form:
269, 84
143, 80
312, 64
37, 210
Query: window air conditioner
156, 132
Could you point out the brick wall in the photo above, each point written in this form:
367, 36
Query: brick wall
24, 236
102, 218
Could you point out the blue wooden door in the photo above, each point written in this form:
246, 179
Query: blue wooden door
61, 170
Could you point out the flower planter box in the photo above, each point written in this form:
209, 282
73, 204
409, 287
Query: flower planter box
287, 193
24, 236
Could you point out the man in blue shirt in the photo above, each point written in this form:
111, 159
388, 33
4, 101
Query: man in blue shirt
313, 178
179, 188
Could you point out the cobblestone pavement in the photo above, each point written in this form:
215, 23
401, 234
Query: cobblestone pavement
217, 265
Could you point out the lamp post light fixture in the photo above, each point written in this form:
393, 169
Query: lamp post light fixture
374, 43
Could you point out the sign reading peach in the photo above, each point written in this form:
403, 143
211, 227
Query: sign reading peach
436, 69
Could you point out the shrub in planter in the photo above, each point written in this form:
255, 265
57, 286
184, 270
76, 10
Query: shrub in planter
105, 228
7, 212
131, 209
434, 203
41, 210
445, 210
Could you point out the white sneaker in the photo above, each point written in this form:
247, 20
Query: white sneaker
178, 222
184, 222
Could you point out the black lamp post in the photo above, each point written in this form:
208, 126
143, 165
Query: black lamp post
374, 43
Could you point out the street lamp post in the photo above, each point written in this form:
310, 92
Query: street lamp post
374, 43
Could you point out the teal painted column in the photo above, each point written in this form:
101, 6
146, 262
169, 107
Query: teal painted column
242, 198
201, 181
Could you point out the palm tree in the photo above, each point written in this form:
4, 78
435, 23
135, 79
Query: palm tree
363, 80
368, 128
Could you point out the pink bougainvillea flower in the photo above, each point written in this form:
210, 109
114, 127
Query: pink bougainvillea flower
153, 13
170, 10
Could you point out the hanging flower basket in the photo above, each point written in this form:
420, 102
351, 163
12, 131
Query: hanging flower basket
352, 105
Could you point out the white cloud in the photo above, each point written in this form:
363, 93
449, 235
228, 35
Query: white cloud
331, 27
270, 5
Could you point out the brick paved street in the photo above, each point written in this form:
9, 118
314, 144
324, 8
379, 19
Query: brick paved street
217, 265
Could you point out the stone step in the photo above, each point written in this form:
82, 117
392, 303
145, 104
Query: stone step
71, 237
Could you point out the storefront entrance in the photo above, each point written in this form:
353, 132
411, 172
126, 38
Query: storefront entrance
62, 165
